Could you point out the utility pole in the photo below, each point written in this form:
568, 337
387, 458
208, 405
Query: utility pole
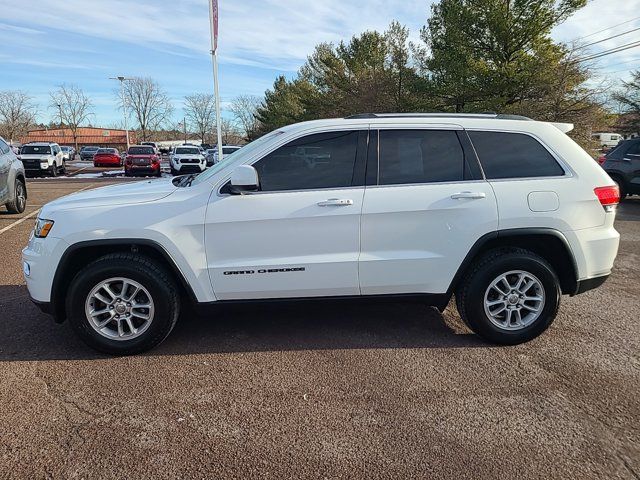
124, 104
213, 23
184, 126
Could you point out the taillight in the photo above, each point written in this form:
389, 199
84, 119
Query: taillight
609, 196
602, 159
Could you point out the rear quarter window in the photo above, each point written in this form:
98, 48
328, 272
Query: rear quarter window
513, 155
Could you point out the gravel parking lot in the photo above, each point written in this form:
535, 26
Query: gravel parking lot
324, 391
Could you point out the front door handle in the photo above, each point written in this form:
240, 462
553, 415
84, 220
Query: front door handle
336, 202
472, 195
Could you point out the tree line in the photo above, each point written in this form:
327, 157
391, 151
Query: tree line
473, 56
147, 104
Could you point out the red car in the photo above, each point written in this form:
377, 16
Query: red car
142, 160
107, 157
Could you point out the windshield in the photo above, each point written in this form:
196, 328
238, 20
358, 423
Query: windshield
141, 151
106, 150
90, 149
36, 150
243, 152
229, 150
187, 151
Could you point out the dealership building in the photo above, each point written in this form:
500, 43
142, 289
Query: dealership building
101, 137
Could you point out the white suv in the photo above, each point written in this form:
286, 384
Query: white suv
43, 157
187, 159
504, 212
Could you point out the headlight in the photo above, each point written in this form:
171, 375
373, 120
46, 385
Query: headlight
42, 227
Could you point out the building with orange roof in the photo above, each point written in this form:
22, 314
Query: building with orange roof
101, 137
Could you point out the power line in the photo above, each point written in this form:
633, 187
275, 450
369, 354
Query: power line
605, 29
619, 63
608, 38
611, 51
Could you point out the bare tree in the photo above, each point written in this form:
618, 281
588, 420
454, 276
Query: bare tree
230, 132
17, 113
149, 103
200, 111
72, 107
629, 100
244, 108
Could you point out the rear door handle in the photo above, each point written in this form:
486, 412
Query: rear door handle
336, 202
472, 195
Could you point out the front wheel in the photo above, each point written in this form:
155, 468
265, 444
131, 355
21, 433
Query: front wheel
53, 170
19, 202
123, 304
509, 296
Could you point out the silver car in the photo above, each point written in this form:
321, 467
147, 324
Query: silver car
13, 187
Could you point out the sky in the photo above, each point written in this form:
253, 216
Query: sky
44, 43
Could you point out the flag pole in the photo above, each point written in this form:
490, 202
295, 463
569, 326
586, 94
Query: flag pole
213, 24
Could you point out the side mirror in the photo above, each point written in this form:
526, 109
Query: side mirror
244, 179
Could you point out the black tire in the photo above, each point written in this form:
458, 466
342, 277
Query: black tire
470, 295
16, 205
159, 283
53, 171
174, 172
63, 169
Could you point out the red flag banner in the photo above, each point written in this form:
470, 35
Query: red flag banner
214, 19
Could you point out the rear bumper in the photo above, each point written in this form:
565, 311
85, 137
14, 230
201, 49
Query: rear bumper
590, 284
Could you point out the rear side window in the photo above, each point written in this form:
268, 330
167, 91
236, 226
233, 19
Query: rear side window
420, 156
634, 149
322, 160
513, 155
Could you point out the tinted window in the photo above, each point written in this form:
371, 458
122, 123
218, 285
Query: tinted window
634, 149
513, 155
36, 150
4, 148
229, 150
420, 156
324, 160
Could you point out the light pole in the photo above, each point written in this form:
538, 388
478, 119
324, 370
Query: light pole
124, 104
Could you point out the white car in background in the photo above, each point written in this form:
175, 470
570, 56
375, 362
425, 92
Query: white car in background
187, 159
43, 158
226, 151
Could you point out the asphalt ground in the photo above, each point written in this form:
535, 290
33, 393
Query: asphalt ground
324, 391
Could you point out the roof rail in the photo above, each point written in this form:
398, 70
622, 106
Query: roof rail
501, 116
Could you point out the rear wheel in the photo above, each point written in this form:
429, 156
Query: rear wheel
509, 296
19, 202
123, 304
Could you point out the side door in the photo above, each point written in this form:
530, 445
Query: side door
425, 205
299, 235
632, 160
6, 157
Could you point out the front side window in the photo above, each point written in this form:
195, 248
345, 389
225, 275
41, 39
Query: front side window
4, 148
322, 160
420, 156
513, 155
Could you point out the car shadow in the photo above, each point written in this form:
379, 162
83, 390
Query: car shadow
26, 334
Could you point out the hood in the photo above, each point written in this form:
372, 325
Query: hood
123, 194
